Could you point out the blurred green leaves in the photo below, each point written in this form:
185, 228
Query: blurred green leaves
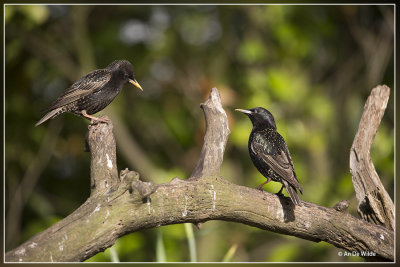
306, 64
284, 252
252, 50
36, 14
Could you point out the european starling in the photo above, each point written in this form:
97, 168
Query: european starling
93, 92
270, 154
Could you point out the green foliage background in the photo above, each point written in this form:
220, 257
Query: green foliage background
312, 66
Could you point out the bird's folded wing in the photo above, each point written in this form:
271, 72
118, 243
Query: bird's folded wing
88, 84
278, 160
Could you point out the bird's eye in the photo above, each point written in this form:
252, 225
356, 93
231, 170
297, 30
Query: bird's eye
123, 75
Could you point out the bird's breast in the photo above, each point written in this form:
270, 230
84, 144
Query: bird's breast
97, 101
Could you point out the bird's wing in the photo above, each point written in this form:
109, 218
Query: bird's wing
276, 155
294, 181
88, 84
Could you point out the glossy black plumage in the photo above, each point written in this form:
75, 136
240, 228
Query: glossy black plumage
93, 92
270, 154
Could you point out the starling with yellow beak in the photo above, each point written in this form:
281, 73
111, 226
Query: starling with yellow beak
93, 92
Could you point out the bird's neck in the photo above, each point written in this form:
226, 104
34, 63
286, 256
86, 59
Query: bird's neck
258, 128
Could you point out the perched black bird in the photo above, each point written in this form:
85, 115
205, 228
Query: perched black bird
93, 92
270, 154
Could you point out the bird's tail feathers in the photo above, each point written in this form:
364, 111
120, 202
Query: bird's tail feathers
297, 185
292, 193
50, 115
300, 189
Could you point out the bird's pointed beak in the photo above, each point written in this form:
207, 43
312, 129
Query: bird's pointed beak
135, 83
245, 111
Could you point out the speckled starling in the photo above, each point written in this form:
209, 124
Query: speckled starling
270, 154
93, 92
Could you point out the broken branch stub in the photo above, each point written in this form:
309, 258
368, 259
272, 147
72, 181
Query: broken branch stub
374, 203
103, 166
216, 136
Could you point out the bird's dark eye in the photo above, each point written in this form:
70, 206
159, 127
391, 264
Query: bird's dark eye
124, 75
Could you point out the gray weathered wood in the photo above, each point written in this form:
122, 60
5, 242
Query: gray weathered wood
97, 224
374, 203
134, 205
217, 132
103, 164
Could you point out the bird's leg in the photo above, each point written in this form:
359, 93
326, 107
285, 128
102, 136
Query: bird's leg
93, 118
280, 192
261, 185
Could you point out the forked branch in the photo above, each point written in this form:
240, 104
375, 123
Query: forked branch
130, 205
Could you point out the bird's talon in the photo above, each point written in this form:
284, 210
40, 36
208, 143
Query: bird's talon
97, 121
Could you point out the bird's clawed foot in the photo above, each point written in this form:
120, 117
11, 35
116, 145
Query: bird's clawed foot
260, 187
95, 120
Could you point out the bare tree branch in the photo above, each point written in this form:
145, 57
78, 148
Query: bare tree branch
212, 153
133, 205
374, 203
103, 165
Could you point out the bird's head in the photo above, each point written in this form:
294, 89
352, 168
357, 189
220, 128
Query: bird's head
125, 70
260, 117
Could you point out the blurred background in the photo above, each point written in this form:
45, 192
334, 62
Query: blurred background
313, 67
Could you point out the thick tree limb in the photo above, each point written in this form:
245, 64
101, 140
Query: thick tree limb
134, 205
374, 203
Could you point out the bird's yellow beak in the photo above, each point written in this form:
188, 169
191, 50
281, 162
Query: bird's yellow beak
243, 111
135, 83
